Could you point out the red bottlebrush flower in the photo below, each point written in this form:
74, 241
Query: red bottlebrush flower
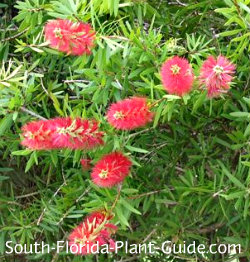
85, 162
177, 76
61, 133
129, 113
76, 133
37, 135
95, 229
111, 170
69, 37
216, 75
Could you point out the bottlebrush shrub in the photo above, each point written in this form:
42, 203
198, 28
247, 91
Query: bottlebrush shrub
124, 121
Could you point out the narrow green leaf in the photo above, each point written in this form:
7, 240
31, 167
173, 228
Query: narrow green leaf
5, 124
136, 149
232, 178
120, 215
241, 114
199, 102
158, 114
129, 206
24, 152
2, 178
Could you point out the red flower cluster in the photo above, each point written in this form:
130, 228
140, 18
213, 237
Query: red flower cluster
61, 133
216, 75
129, 113
177, 76
95, 229
85, 162
37, 135
68, 37
111, 170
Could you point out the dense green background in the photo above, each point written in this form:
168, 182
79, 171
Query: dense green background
190, 179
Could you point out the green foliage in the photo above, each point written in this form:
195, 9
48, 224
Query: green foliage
237, 14
191, 167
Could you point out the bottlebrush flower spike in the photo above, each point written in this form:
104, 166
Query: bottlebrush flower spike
216, 75
69, 37
37, 135
85, 162
76, 133
61, 133
129, 113
95, 229
111, 170
177, 76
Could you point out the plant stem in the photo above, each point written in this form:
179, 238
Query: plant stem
14, 36
157, 102
24, 109
119, 188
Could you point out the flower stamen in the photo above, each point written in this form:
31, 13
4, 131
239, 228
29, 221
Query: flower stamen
175, 69
119, 115
218, 70
103, 174
58, 32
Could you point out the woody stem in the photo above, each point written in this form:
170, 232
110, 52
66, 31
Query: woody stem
157, 101
24, 109
119, 188
77, 18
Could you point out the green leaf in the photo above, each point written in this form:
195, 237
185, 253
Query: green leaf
246, 207
136, 149
120, 215
158, 114
243, 6
224, 10
129, 206
23, 152
129, 191
230, 32
199, 102
2, 178
172, 97
232, 178
31, 162
234, 195
6, 123
116, 7
37, 49
56, 104
75, 216
240, 114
